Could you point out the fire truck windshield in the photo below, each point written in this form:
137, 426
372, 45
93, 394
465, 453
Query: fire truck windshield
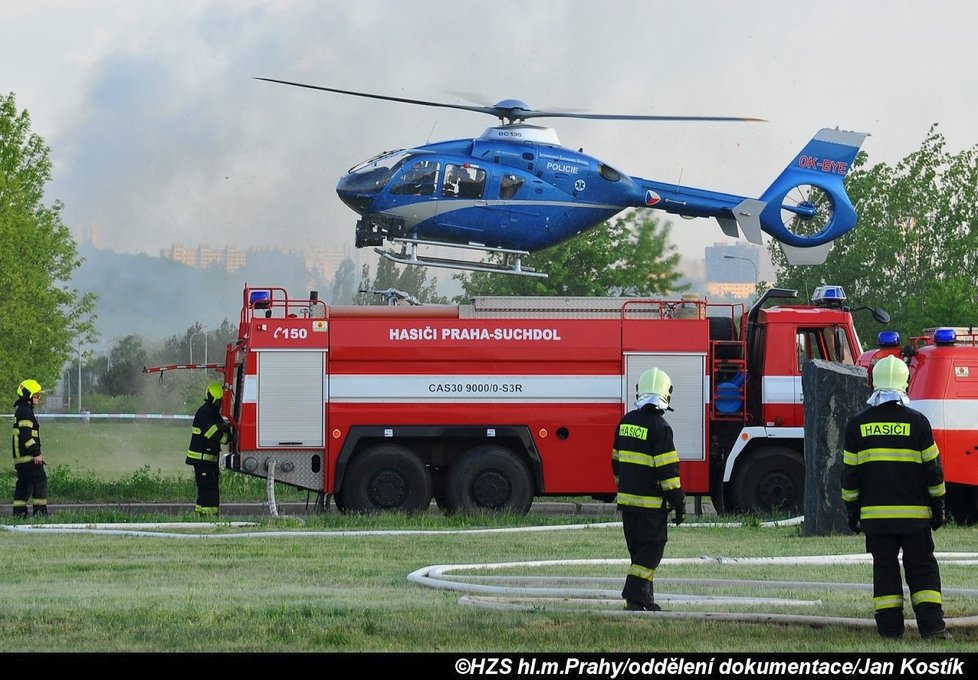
830, 343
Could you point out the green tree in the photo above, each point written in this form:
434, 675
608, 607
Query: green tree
915, 249
42, 318
125, 364
630, 256
344, 289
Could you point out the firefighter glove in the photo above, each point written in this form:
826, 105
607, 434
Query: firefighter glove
677, 499
854, 521
937, 513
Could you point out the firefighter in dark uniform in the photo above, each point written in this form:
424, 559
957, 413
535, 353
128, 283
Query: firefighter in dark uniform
646, 468
893, 488
32, 480
209, 431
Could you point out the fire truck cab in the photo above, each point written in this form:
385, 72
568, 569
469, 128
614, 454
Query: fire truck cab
485, 406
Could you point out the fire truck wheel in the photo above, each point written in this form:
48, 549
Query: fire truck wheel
386, 477
489, 478
772, 479
961, 502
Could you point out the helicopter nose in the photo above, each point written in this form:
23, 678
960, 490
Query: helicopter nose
355, 201
357, 190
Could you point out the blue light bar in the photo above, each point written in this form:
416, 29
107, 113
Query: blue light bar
829, 296
888, 339
945, 336
258, 296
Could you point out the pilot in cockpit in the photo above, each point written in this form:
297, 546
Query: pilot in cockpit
419, 179
452, 179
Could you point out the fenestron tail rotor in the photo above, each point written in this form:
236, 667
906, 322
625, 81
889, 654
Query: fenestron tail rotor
807, 210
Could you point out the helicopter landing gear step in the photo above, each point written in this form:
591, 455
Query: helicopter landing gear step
511, 259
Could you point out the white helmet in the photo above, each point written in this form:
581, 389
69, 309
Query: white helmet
654, 387
891, 373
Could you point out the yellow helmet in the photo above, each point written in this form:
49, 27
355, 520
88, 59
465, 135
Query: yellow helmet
891, 373
29, 388
655, 382
214, 393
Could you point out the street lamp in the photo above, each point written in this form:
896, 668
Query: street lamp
78, 351
745, 259
194, 335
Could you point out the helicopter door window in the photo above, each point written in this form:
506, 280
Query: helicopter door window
609, 173
453, 176
472, 182
417, 180
509, 186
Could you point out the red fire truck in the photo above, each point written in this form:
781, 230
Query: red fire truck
944, 386
486, 405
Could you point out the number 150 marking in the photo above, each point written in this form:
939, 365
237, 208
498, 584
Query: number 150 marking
290, 333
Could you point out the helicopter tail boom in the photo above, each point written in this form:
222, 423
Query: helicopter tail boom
805, 209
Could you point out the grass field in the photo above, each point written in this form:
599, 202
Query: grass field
298, 589
130, 461
303, 586
114, 450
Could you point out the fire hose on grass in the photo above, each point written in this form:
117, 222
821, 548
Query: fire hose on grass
592, 594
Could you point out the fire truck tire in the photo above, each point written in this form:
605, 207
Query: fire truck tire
386, 477
489, 479
961, 503
771, 479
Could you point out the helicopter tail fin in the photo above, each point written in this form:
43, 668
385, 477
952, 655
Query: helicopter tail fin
806, 208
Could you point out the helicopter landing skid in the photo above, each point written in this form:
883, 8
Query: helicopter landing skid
511, 264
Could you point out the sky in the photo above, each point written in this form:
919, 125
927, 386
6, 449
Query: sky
160, 134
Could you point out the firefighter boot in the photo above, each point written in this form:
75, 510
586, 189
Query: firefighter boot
930, 622
942, 634
644, 600
889, 622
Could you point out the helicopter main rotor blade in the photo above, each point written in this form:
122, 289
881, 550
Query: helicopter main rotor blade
615, 116
492, 111
514, 110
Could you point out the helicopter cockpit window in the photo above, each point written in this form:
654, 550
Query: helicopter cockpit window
463, 181
372, 176
509, 186
609, 173
418, 179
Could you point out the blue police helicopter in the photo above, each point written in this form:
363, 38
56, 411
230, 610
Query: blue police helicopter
515, 190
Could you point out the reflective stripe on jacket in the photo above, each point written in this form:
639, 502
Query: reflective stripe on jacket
26, 440
207, 434
644, 461
891, 469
